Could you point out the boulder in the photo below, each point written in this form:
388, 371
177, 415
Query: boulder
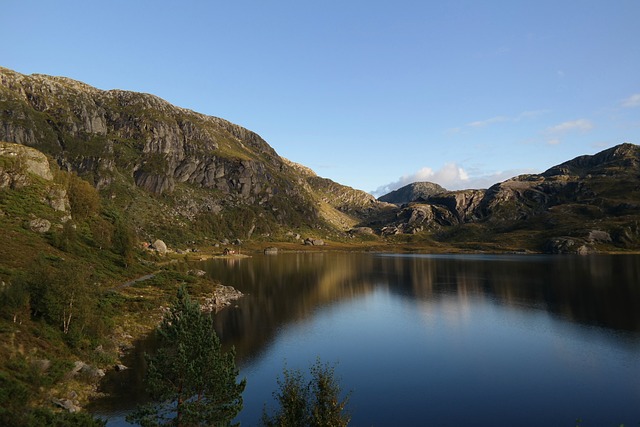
88, 370
271, 251
66, 404
160, 246
197, 273
567, 245
313, 242
39, 225
599, 236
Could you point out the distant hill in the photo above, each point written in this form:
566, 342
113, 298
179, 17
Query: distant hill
587, 204
412, 193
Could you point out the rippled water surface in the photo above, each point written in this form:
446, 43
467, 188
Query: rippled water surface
440, 340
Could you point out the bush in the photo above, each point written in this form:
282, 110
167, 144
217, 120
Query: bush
315, 403
83, 198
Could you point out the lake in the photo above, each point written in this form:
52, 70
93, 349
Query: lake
442, 340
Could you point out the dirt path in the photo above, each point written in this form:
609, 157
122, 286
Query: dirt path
134, 281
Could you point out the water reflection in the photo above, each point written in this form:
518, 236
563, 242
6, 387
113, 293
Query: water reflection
601, 291
442, 338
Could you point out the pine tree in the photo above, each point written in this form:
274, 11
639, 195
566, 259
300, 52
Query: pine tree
191, 380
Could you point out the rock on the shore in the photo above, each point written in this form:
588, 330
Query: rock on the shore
222, 297
314, 242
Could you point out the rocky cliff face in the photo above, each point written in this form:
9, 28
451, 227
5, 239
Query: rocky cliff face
157, 144
174, 169
578, 205
118, 139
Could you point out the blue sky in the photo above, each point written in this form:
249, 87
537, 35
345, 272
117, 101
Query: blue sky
372, 94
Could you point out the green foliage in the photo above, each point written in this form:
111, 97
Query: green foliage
61, 294
14, 301
14, 409
315, 403
190, 379
123, 241
293, 397
83, 198
46, 418
102, 232
66, 238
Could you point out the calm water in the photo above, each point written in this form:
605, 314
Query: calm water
441, 340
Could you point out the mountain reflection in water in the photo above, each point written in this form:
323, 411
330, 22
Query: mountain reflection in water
438, 339
597, 290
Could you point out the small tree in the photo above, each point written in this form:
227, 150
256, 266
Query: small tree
316, 403
191, 380
83, 198
61, 294
123, 241
293, 398
326, 406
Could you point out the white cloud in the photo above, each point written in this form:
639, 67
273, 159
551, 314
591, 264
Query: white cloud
449, 176
500, 119
582, 125
530, 114
553, 133
632, 101
482, 123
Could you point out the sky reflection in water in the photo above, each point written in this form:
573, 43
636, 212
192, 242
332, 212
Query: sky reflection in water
444, 340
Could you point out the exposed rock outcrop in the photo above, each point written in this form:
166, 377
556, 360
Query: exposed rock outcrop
222, 297
116, 138
593, 197
414, 192
19, 163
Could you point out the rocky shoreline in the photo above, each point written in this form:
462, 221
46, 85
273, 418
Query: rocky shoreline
222, 297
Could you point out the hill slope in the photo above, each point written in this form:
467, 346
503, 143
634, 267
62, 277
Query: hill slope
165, 165
586, 204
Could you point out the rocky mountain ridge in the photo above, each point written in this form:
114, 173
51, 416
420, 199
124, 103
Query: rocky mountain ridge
582, 196
179, 174
124, 142
413, 192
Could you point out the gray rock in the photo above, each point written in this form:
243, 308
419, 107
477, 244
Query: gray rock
39, 225
160, 246
27, 159
88, 370
599, 236
58, 200
567, 245
313, 242
271, 251
66, 404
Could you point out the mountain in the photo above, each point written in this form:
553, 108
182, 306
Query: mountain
173, 173
412, 193
171, 168
587, 204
